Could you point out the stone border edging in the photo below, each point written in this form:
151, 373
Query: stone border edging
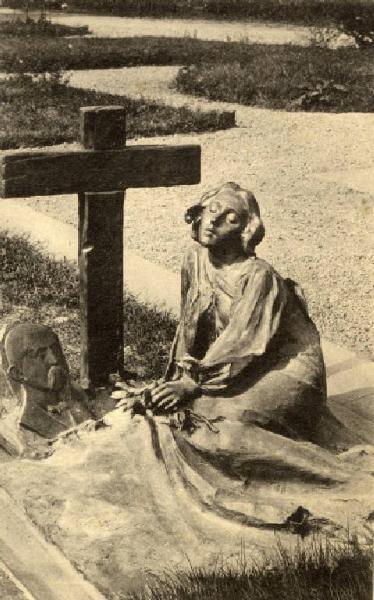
38, 566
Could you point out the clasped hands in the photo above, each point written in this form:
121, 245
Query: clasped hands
169, 395
159, 396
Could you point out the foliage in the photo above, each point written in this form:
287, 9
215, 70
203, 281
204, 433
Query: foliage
322, 95
41, 28
290, 78
359, 24
46, 290
42, 110
313, 571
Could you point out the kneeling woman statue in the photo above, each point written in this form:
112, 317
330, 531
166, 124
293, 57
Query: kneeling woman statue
246, 349
244, 396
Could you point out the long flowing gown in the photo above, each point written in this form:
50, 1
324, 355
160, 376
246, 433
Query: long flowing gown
259, 452
245, 335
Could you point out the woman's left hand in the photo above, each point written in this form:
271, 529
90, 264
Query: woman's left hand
171, 394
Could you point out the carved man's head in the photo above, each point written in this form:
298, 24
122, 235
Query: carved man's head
228, 210
33, 357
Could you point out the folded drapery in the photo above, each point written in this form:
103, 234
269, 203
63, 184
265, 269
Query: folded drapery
247, 339
145, 494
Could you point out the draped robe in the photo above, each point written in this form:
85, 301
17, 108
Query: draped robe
246, 337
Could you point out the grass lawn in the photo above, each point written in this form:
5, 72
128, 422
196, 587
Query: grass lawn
46, 112
38, 55
38, 288
317, 571
288, 78
272, 76
37, 27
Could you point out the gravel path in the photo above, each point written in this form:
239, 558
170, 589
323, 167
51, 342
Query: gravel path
319, 231
205, 29
222, 30
149, 83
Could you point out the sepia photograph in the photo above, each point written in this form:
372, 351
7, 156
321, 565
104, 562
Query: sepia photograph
186, 299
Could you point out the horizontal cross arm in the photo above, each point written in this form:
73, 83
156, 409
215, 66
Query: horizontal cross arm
60, 170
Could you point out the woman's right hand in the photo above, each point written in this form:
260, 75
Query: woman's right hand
169, 395
124, 391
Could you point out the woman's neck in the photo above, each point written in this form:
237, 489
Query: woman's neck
224, 257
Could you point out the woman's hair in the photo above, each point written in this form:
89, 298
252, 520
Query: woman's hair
254, 229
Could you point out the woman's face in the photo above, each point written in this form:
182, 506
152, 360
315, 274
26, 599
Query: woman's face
222, 220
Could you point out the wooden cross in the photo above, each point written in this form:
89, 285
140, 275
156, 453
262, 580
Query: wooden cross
99, 171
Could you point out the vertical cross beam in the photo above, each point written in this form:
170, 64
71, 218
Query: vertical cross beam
95, 172
101, 256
